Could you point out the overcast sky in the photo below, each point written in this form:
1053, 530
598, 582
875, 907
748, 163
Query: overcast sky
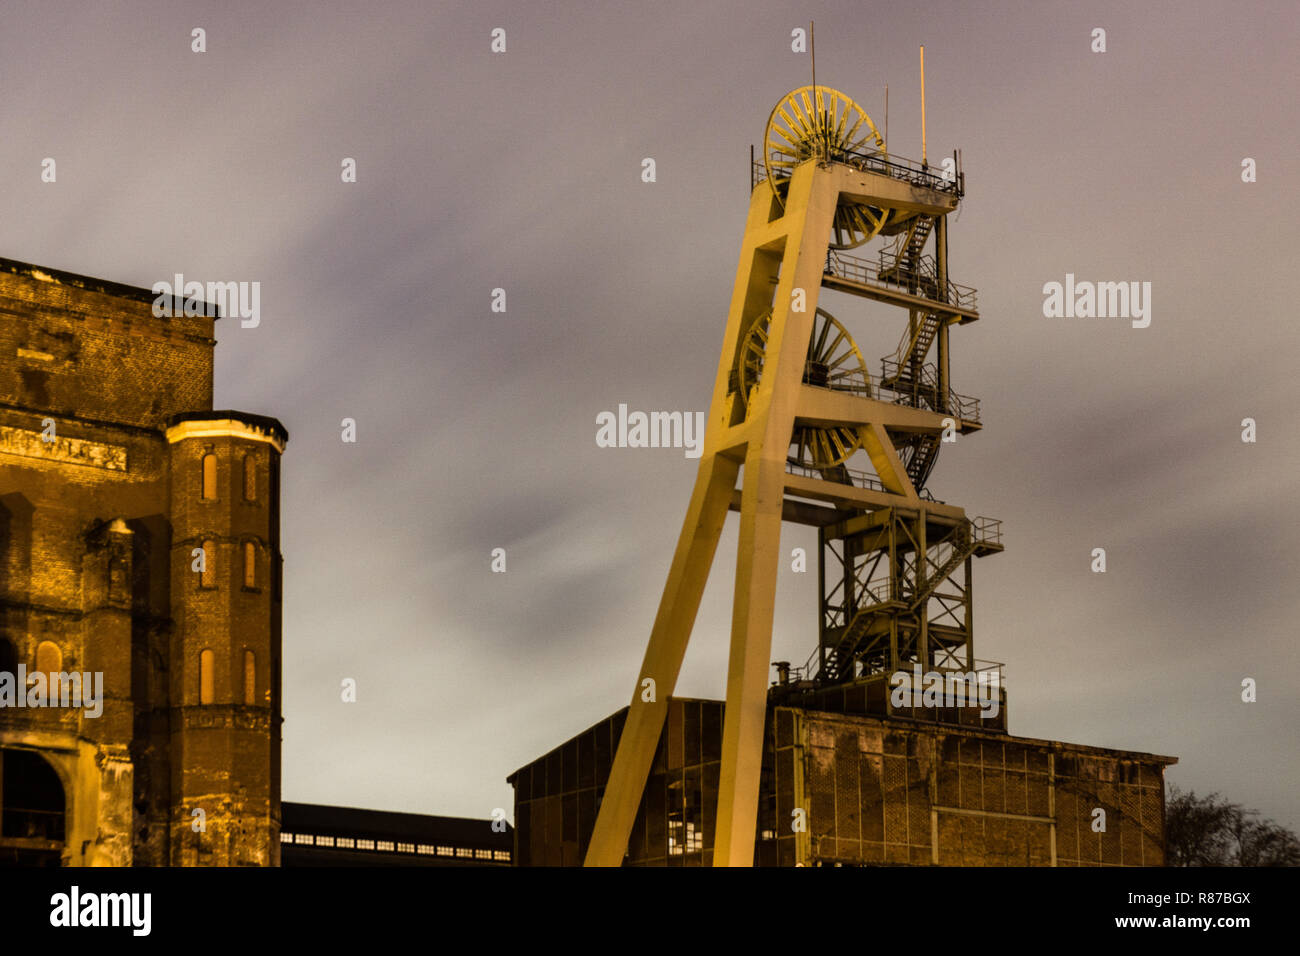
477, 430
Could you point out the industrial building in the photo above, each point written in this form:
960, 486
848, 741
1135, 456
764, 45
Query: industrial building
873, 790
315, 835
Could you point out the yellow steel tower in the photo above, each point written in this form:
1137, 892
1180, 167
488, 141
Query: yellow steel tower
794, 404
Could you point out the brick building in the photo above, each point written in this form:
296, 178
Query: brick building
139, 540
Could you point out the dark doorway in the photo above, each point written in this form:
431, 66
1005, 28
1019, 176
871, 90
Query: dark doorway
32, 811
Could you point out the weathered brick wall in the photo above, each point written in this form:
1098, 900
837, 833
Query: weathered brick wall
119, 598
78, 352
228, 759
54, 564
884, 793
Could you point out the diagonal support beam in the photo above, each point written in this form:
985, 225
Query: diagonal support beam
680, 603
887, 463
757, 556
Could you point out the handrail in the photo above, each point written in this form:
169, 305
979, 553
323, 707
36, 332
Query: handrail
964, 407
987, 530
898, 167
860, 479
812, 667
872, 161
864, 272
862, 382
855, 381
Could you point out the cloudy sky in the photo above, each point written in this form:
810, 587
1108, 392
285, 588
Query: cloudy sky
476, 430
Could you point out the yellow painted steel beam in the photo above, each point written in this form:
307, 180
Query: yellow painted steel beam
696, 544
663, 659
798, 512
757, 557
878, 189
885, 460
810, 211
820, 490
818, 405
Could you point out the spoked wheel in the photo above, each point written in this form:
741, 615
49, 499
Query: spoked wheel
821, 122
856, 224
833, 361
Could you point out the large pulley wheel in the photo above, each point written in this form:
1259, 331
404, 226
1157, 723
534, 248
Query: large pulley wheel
833, 361
821, 122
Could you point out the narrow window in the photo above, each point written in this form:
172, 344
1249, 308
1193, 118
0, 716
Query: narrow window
250, 678
250, 478
206, 660
210, 477
208, 576
117, 583
8, 657
250, 564
49, 659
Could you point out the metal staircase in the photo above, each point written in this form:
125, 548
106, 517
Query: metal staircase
906, 253
921, 461
905, 371
868, 621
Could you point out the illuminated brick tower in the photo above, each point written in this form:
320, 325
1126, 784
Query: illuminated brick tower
139, 539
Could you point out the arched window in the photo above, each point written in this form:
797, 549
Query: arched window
32, 805
210, 477
250, 478
250, 678
49, 659
208, 576
250, 564
8, 657
206, 663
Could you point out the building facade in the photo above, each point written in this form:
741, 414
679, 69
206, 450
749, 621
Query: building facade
855, 789
139, 553
314, 835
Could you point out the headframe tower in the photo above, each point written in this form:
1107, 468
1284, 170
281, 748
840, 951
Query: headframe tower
822, 442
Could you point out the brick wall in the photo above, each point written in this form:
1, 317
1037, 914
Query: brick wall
80, 352
114, 496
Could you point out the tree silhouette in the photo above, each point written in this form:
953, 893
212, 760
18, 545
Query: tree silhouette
1210, 831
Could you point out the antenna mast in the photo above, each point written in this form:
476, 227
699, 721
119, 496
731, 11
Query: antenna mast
817, 106
924, 164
